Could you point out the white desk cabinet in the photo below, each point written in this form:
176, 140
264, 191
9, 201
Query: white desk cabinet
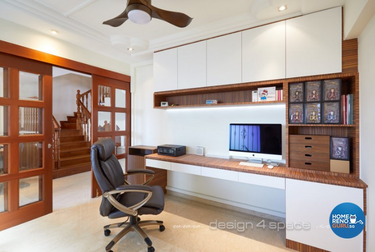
165, 70
192, 63
308, 202
224, 60
263, 53
314, 44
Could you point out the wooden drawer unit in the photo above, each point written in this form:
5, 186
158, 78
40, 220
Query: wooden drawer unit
309, 152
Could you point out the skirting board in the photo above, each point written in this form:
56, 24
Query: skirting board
226, 204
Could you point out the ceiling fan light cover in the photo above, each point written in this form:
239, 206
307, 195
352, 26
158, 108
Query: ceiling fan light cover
139, 14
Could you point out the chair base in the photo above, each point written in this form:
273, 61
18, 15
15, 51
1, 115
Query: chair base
133, 224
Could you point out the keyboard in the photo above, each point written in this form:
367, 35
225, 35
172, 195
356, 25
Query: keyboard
251, 164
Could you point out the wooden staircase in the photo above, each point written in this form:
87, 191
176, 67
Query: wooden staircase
74, 149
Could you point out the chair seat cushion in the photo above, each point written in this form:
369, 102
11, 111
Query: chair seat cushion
154, 206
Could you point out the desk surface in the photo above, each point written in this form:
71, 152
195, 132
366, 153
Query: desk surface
279, 171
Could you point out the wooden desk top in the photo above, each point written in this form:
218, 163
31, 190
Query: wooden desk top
277, 171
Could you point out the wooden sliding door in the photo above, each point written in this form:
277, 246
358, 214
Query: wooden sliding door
25, 140
111, 117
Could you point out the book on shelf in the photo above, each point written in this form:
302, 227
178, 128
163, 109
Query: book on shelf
254, 97
347, 109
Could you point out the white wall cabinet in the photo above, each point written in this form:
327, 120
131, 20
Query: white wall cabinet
192, 63
263, 53
308, 202
165, 70
314, 44
224, 60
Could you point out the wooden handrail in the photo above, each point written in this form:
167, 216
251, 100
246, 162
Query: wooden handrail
56, 129
84, 114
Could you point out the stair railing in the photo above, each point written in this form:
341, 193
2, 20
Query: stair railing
84, 114
56, 129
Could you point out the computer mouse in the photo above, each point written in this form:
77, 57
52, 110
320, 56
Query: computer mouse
270, 166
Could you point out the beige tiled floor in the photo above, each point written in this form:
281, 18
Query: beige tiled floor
75, 225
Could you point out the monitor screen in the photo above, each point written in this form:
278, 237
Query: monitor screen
255, 138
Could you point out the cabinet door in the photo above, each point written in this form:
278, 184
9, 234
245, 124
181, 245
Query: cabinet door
165, 70
192, 62
314, 44
312, 203
224, 60
263, 53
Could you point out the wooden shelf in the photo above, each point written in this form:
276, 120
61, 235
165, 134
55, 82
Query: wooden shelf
322, 125
221, 105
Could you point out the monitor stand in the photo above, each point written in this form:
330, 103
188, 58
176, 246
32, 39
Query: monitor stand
255, 160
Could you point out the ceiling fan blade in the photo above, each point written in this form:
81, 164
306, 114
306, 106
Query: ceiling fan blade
117, 21
176, 18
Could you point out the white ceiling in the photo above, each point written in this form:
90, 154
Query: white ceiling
80, 21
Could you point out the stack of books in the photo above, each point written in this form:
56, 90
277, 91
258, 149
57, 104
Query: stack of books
347, 109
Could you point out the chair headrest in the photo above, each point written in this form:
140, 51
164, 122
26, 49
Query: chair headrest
105, 147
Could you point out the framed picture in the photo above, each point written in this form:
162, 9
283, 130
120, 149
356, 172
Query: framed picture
296, 113
332, 90
340, 148
313, 91
296, 92
312, 113
266, 94
331, 112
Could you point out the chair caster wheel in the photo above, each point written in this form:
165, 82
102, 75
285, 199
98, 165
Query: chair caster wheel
161, 228
138, 219
150, 249
107, 232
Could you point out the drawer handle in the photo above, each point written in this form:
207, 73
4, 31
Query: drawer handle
308, 155
308, 138
307, 163
308, 146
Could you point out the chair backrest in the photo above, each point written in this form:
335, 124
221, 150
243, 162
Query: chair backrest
107, 170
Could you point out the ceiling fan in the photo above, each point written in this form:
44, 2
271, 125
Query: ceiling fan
141, 12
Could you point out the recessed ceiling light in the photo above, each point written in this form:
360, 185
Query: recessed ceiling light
54, 32
283, 8
130, 49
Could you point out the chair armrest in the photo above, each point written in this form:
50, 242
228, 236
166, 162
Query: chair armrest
132, 210
140, 171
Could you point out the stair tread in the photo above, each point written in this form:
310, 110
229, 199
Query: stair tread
66, 143
76, 165
76, 149
75, 157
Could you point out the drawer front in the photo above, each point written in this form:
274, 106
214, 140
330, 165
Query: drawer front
185, 168
310, 156
261, 180
313, 165
158, 164
309, 139
309, 148
220, 174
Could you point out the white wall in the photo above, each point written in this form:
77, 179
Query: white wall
205, 127
64, 94
366, 53
16, 34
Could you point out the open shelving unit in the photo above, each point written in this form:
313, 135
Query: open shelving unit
227, 95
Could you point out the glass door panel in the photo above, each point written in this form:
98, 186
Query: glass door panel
120, 98
4, 112
3, 197
30, 86
30, 121
3, 159
30, 190
4, 82
30, 155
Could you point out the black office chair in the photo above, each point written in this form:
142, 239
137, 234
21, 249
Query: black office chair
120, 199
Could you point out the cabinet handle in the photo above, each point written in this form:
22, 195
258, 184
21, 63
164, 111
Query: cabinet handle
308, 138
308, 146
308, 155
307, 163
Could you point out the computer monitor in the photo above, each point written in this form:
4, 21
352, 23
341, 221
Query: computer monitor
255, 141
